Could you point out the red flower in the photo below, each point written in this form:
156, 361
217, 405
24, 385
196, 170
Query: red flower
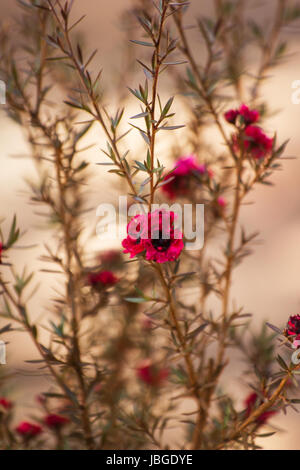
249, 116
28, 430
148, 373
6, 404
102, 279
250, 403
293, 329
56, 421
181, 175
293, 325
155, 236
257, 143
231, 116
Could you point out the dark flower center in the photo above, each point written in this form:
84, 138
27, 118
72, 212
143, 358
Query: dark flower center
160, 243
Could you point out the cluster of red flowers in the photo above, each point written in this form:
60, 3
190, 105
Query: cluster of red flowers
255, 141
102, 279
247, 116
150, 374
179, 179
251, 402
29, 430
154, 235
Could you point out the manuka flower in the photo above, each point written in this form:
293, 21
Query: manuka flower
54, 421
150, 374
102, 279
231, 116
28, 430
6, 404
257, 143
180, 177
250, 116
155, 236
253, 401
247, 116
293, 330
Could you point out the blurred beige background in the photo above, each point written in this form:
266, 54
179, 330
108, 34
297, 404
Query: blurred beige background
267, 283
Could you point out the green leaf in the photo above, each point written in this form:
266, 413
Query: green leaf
13, 234
5, 329
137, 116
170, 128
145, 137
141, 166
281, 362
73, 105
178, 62
135, 300
167, 107
198, 330
142, 43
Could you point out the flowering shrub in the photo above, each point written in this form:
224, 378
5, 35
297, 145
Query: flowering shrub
246, 116
136, 335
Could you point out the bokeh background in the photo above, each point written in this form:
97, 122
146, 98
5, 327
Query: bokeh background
267, 283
